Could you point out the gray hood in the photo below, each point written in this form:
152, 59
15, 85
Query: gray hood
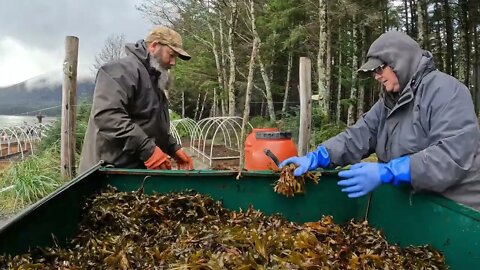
400, 52
139, 49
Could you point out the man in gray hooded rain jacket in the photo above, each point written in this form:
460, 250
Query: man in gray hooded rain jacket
423, 129
129, 123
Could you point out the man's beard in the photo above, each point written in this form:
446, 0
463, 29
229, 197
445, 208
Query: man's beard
164, 79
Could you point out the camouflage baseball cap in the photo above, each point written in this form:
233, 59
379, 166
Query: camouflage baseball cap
169, 37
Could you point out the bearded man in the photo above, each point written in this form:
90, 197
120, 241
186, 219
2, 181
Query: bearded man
129, 125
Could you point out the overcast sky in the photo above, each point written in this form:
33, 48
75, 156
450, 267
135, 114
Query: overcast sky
32, 33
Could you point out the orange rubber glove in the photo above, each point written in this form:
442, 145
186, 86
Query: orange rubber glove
184, 162
158, 161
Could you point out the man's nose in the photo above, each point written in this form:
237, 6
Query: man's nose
173, 61
376, 76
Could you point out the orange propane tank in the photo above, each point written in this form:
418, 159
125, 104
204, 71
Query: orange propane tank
279, 142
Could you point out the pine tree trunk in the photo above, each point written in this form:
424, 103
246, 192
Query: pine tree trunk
422, 34
439, 45
361, 87
215, 101
464, 72
376, 90
413, 19
385, 14
195, 117
223, 106
203, 105
218, 64
183, 103
427, 25
450, 67
322, 47
262, 108
248, 94
231, 81
353, 91
287, 83
268, 88
407, 25
224, 93
265, 76
328, 74
339, 81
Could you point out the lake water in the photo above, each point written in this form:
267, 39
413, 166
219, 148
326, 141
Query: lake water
15, 120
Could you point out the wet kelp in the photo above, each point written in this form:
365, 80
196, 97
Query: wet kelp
192, 231
289, 185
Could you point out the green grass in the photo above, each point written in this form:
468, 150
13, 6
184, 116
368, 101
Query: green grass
38, 175
33, 178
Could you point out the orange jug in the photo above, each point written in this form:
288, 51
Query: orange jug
279, 142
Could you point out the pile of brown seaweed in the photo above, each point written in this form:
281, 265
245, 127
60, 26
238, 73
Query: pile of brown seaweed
289, 185
192, 231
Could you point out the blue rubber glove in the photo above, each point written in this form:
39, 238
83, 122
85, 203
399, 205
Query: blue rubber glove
311, 161
364, 177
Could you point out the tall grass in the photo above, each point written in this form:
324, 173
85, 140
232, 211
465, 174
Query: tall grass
38, 175
33, 179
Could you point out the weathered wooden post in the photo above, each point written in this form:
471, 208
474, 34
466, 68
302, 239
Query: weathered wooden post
69, 102
40, 117
305, 90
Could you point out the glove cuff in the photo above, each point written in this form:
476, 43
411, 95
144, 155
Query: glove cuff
396, 171
319, 158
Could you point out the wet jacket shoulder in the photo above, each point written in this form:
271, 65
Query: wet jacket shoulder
452, 156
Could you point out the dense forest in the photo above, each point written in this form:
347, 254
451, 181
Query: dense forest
224, 36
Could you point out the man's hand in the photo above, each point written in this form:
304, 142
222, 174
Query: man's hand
158, 161
184, 162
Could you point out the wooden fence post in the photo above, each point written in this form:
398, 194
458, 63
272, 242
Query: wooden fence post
305, 90
69, 108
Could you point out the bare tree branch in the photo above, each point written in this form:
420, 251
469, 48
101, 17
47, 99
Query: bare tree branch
254, 85
112, 50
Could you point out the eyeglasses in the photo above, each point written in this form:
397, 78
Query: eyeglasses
379, 69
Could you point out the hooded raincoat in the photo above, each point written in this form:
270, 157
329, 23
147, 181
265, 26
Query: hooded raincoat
129, 114
432, 120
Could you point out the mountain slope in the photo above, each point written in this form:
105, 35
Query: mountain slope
38, 93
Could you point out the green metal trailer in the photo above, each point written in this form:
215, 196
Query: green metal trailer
404, 217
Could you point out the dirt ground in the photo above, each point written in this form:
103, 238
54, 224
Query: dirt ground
218, 151
4, 164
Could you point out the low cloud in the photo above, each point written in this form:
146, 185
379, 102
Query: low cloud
32, 34
20, 62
